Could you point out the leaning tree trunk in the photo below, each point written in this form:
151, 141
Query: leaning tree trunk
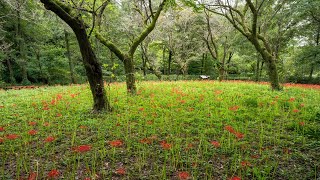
130, 78
89, 59
93, 71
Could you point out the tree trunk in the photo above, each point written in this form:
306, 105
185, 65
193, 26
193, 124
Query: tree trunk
202, 63
89, 59
257, 69
93, 71
169, 61
71, 67
22, 53
273, 74
163, 59
130, 78
144, 60
11, 75
221, 70
311, 71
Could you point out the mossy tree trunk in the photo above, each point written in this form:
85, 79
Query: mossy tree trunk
252, 31
90, 62
127, 58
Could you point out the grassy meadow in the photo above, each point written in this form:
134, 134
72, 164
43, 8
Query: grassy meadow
170, 130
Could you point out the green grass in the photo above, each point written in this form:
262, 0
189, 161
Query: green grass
165, 130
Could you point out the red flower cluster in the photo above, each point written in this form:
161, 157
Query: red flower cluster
49, 139
1, 128
116, 143
239, 135
235, 178
146, 141
183, 175
234, 108
82, 148
245, 163
12, 136
121, 171
292, 99
31, 123
295, 110
32, 176
165, 145
53, 173
301, 123
215, 144
32, 132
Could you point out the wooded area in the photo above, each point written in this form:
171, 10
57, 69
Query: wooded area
97, 40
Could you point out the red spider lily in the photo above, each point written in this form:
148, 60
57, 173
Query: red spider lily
141, 109
1, 140
73, 95
87, 178
292, 99
53, 173
49, 139
116, 143
301, 105
183, 175
191, 109
82, 148
230, 129
234, 108
53, 102
235, 178
46, 108
32, 176
121, 171
245, 163
12, 136
1, 128
217, 92
59, 97
215, 144
46, 124
165, 145
59, 115
182, 101
145, 141
32, 132
295, 110
189, 146
256, 156
83, 127
239, 135
301, 123
32, 123
1, 107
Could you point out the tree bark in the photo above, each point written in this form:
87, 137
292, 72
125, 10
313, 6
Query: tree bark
71, 67
170, 61
89, 59
130, 78
11, 75
21, 48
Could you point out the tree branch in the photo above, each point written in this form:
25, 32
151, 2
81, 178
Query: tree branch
111, 46
147, 30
